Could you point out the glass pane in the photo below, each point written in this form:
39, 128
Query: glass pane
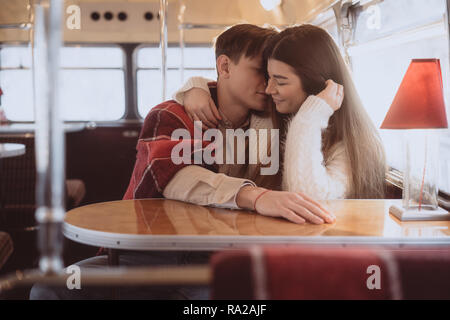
388, 17
331, 27
209, 74
149, 89
378, 71
86, 57
151, 58
327, 21
93, 95
15, 57
445, 169
199, 57
17, 98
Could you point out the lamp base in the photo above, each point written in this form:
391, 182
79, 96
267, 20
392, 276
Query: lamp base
415, 215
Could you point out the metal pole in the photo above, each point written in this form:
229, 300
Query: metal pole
192, 275
182, 44
31, 36
181, 55
345, 27
163, 45
49, 138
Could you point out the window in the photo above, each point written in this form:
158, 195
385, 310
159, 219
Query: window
16, 83
92, 83
387, 36
198, 61
327, 21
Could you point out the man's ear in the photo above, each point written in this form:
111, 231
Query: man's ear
223, 66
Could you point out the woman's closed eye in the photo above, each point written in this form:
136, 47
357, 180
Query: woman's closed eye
277, 82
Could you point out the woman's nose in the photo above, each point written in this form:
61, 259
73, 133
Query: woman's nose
269, 88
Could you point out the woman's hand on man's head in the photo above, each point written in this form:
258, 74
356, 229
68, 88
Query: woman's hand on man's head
200, 107
333, 94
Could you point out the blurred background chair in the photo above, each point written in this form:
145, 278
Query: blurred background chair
18, 201
302, 272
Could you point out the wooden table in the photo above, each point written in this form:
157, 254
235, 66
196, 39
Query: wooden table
8, 150
158, 224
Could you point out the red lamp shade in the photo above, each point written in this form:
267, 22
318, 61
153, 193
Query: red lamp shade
419, 103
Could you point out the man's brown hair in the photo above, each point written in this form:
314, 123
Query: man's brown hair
242, 40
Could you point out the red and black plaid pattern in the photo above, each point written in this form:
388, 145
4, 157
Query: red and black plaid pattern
154, 167
303, 273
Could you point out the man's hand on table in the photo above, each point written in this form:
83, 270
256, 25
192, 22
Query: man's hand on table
293, 206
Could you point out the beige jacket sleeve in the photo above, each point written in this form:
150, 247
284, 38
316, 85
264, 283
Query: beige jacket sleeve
201, 186
193, 82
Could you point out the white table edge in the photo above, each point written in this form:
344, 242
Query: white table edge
13, 153
195, 242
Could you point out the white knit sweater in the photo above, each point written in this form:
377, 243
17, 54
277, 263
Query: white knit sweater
304, 169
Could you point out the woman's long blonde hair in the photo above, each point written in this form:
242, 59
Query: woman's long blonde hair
315, 57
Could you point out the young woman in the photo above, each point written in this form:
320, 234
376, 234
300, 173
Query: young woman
329, 152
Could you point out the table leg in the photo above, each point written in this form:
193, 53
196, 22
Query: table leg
113, 260
113, 257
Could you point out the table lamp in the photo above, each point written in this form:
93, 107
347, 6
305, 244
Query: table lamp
419, 108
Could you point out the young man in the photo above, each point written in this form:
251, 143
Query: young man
242, 103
